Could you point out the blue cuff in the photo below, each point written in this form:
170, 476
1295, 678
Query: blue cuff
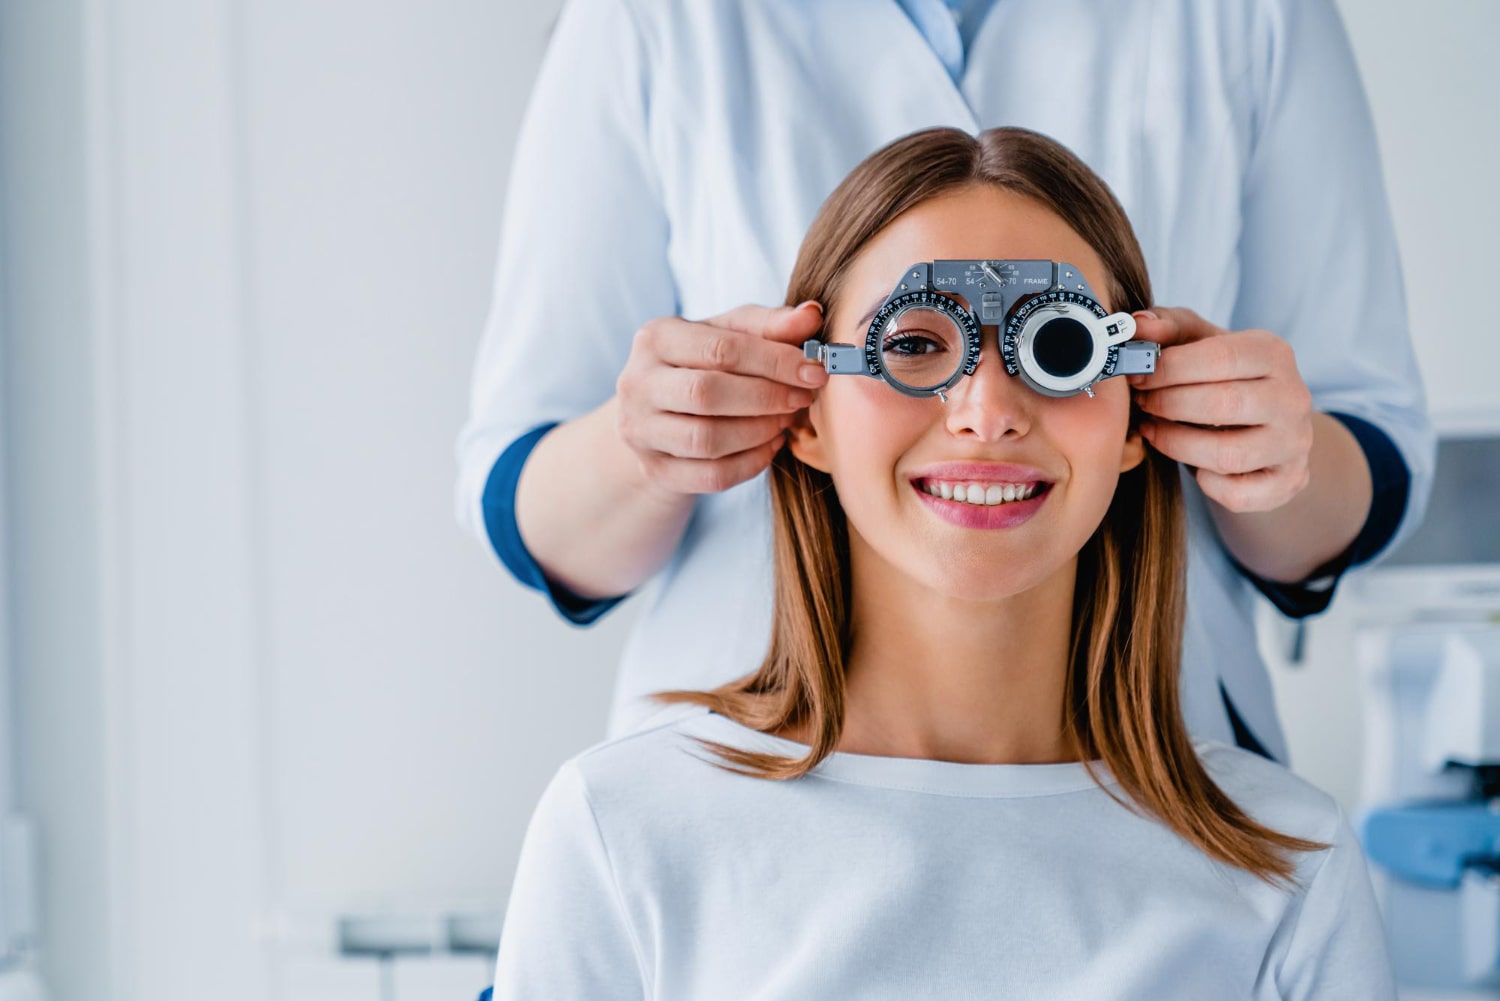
499, 505
1391, 482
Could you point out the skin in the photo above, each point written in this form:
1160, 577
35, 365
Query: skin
961, 635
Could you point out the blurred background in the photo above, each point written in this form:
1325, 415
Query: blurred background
272, 725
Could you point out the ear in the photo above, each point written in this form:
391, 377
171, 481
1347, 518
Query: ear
1133, 453
804, 441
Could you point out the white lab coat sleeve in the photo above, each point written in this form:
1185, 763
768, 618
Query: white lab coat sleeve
582, 260
566, 935
1334, 940
1318, 256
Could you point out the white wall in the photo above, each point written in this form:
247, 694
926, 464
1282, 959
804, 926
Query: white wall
1429, 73
262, 675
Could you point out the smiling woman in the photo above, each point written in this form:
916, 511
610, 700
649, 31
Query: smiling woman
961, 768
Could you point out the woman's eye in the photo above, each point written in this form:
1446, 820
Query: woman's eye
912, 344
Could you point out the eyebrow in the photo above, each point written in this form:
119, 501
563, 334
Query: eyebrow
864, 321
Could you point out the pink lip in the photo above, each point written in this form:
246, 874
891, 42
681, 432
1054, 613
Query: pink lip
1007, 515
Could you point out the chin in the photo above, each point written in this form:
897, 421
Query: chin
992, 580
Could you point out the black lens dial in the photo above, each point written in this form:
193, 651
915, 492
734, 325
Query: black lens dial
1062, 347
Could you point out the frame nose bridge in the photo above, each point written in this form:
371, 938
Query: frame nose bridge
990, 384
990, 357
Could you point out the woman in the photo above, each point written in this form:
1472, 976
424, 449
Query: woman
961, 769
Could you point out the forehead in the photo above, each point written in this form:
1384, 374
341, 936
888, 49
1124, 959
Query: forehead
982, 222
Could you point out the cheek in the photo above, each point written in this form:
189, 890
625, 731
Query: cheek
867, 428
1099, 423
1092, 434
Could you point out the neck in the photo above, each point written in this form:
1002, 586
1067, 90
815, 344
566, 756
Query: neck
931, 675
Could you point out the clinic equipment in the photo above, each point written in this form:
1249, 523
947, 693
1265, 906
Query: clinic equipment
1427, 641
1054, 333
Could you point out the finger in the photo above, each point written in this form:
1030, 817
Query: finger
1243, 450
1234, 355
686, 344
709, 393
687, 437
1262, 490
711, 476
1225, 404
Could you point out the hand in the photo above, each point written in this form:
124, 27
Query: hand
705, 404
1229, 403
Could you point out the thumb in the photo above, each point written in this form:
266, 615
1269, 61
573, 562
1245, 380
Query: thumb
1168, 325
778, 322
795, 324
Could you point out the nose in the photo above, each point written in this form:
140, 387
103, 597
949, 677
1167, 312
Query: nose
990, 404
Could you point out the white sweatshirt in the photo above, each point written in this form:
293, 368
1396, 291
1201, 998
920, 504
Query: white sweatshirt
647, 872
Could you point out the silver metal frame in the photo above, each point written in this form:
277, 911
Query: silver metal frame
1020, 297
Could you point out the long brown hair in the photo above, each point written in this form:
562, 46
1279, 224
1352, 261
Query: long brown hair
1121, 697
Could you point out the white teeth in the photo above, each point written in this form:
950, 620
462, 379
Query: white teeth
979, 493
